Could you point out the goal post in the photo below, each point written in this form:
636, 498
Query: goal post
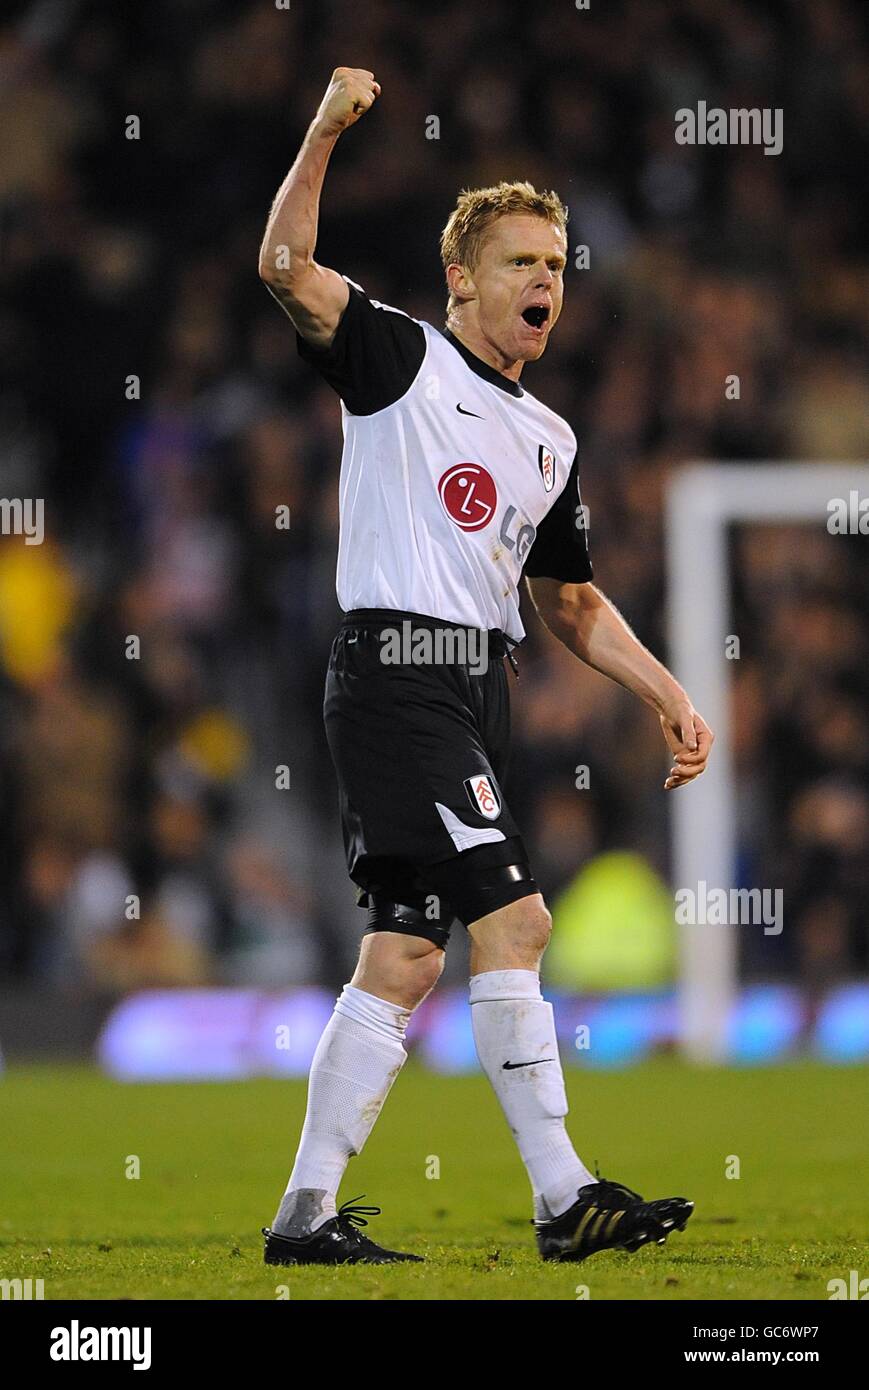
702, 501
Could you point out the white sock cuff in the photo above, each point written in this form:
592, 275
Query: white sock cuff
387, 1019
505, 984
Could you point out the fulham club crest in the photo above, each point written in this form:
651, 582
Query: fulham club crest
484, 797
546, 464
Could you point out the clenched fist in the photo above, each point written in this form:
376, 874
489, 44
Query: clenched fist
350, 93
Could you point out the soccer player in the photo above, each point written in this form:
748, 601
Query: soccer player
455, 484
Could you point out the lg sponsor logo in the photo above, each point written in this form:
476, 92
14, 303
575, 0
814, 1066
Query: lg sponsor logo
468, 495
470, 499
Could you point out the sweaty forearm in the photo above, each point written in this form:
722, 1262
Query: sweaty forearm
593, 629
291, 231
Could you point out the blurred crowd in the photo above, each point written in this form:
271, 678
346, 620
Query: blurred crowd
169, 807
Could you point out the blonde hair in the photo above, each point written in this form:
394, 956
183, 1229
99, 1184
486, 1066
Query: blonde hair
477, 208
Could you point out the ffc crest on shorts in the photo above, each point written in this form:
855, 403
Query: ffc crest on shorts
546, 464
483, 795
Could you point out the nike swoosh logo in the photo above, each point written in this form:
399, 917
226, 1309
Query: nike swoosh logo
468, 412
511, 1066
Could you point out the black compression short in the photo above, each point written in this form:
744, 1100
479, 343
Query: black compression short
421, 753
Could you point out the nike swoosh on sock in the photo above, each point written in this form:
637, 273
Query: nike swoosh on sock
511, 1066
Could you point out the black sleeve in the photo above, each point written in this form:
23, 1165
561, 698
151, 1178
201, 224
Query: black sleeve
374, 356
560, 549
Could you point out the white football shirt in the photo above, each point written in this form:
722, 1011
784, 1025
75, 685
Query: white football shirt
454, 480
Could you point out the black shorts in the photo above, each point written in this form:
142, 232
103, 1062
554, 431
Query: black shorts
420, 739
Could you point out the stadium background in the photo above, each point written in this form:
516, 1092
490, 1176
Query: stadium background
156, 776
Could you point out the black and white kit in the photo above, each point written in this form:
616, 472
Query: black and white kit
455, 482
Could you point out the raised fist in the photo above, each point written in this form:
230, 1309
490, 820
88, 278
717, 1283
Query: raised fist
350, 93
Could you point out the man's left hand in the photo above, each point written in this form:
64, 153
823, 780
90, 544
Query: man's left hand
689, 739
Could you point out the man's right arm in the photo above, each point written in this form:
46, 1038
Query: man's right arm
313, 296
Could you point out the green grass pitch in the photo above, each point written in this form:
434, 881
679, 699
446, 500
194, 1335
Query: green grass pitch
214, 1159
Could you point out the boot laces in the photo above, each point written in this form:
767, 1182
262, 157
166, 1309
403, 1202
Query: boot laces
619, 1189
350, 1216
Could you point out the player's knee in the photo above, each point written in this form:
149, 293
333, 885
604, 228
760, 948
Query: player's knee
534, 927
515, 937
427, 969
414, 975
395, 966
527, 924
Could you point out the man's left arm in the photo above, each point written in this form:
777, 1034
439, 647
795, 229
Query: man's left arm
583, 618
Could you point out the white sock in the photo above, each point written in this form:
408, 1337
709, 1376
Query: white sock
357, 1059
513, 1024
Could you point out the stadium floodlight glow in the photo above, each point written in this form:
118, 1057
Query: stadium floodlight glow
702, 501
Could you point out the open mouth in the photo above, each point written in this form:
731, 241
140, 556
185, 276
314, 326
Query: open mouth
535, 315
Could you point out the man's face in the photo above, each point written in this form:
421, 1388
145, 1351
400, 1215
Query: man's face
517, 286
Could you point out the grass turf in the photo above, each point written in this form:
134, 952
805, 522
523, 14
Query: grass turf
214, 1160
